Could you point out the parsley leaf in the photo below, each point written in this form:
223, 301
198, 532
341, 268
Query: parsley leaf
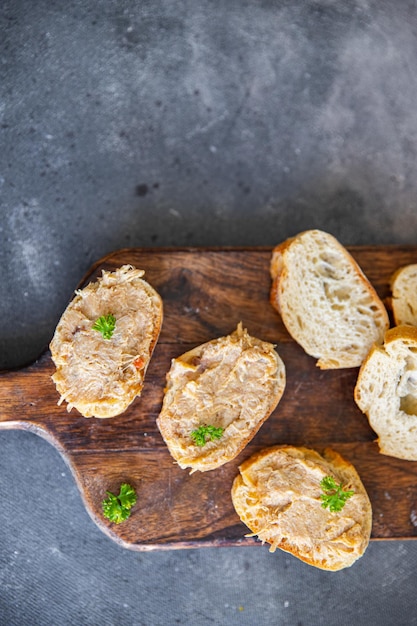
117, 508
127, 496
105, 325
337, 497
200, 435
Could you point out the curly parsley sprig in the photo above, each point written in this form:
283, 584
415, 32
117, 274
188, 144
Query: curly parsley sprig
118, 508
334, 497
205, 431
105, 325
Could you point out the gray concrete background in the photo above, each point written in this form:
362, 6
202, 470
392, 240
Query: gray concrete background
126, 123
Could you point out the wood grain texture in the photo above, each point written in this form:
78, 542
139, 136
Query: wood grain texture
205, 294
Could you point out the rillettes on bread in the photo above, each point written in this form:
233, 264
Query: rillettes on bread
101, 376
326, 302
386, 391
231, 383
277, 495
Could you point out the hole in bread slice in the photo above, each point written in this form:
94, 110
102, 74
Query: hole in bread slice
386, 391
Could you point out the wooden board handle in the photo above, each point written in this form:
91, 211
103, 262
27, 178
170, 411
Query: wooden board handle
206, 293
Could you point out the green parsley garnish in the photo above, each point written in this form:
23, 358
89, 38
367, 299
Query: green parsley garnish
200, 435
105, 325
117, 508
336, 497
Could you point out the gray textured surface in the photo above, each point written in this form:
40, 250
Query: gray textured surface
187, 123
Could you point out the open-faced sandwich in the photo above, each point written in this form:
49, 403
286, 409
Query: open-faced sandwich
311, 505
104, 341
217, 397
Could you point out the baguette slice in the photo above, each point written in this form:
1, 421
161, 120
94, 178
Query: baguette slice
101, 377
404, 295
277, 495
233, 382
326, 302
386, 391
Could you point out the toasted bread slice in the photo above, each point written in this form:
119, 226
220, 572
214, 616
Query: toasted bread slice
386, 391
232, 383
326, 302
404, 295
277, 495
101, 377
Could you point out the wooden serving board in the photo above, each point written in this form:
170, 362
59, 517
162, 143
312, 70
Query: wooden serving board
206, 292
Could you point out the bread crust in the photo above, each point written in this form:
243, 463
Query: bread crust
233, 382
325, 301
386, 392
101, 377
277, 495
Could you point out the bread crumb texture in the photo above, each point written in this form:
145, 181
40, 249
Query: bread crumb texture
277, 496
404, 295
386, 391
326, 302
101, 377
233, 382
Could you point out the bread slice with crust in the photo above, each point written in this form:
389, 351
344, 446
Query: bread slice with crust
326, 302
386, 391
404, 295
277, 495
100, 377
232, 383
